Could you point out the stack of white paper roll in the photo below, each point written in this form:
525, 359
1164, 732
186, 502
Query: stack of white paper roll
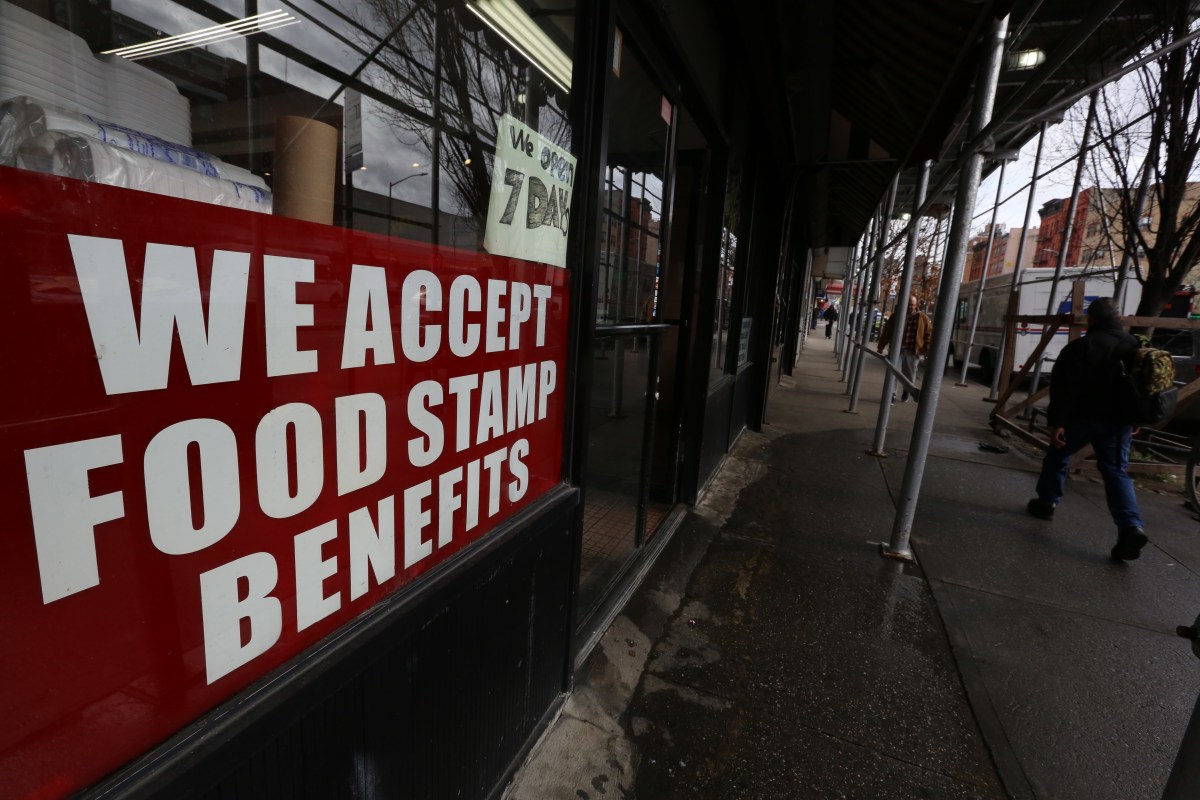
40, 59
73, 155
56, 100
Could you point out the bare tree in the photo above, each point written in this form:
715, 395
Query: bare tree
1149, 138
893, 264
454, 77
931, 235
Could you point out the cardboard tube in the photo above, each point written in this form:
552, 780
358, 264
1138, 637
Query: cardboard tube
305, 169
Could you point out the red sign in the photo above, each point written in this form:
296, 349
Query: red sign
226, 434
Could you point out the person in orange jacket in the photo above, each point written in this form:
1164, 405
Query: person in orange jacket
917, 338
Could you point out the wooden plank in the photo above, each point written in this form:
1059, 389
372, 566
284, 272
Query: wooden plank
1076, 308
1029, 401
1012, 427
1010, 344
1169, 323
1000, 409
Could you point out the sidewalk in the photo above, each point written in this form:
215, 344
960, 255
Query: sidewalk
771, 653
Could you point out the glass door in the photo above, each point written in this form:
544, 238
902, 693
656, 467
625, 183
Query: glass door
618, 513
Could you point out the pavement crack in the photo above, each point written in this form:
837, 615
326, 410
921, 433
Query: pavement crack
1065, 609
1178, 560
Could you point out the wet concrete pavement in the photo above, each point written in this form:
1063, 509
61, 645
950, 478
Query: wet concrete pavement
771, 653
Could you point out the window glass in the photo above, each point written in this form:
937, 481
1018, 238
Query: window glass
727, 259
629, 249
289, 282
430, 81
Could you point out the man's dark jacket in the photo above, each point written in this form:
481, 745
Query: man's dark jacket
1081, 385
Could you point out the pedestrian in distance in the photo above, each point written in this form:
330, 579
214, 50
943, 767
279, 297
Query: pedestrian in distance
831, 318
914, 343
816, 314
1085, 409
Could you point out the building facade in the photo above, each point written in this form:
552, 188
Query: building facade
979, 257
1099, 234
368, 353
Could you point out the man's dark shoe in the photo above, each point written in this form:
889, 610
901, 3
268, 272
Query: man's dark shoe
1130, 542
1040, 509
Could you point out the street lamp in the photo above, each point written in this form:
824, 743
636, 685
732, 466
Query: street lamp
393, 185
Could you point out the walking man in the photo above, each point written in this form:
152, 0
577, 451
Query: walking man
831, 317
1084, 410
918, 336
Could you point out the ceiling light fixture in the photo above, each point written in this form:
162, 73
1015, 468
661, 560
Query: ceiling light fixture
517, 28
205, 36
1025, 59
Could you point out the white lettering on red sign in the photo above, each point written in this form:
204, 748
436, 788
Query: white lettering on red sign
195, 472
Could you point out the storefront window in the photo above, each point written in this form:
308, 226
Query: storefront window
263, 103
289, 286
629, 253
727, 258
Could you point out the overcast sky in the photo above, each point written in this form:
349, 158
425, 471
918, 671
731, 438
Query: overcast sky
1062, 143
1016, 182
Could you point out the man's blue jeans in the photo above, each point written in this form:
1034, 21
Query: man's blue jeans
1111, 443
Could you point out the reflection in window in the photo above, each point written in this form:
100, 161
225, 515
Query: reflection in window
629, 247
727, 259
255, 116
724, 310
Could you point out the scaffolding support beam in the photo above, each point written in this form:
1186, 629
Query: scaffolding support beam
968, 187
987, 260
873, 298
902, 292
1069, 226
1004, 359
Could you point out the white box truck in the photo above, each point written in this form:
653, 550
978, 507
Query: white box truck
1033, 290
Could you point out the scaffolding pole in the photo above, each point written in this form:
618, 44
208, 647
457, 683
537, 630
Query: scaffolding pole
901, 313
850, 332
968, 186
902, 292
1068, 230
873, 298
987, 260
839, 343
1016, 277
861, 322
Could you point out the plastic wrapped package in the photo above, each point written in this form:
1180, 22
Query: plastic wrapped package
35, 117
73, 155
24, 117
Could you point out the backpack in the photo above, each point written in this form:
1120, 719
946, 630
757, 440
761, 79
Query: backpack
1146, 391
